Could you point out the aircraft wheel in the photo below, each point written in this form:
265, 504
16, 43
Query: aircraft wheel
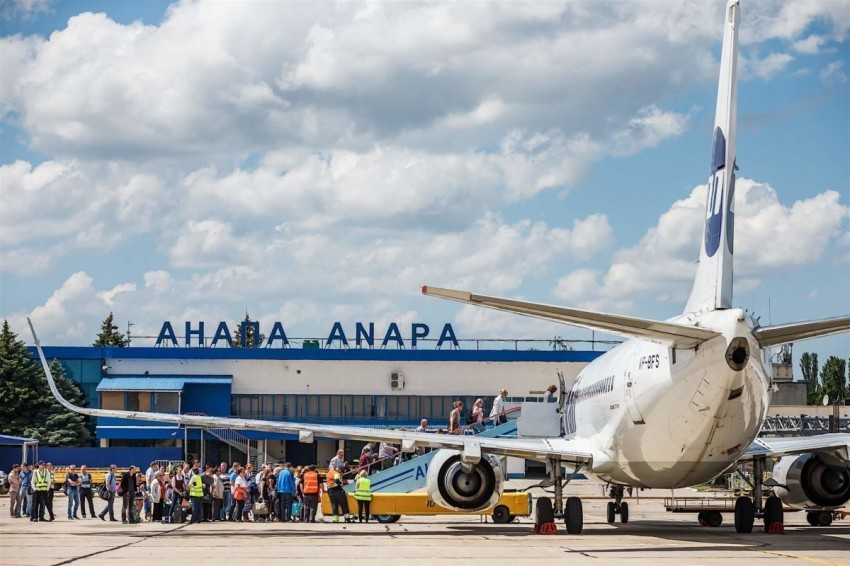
819, 518
574, 516
624, 512
501, 515
612, 512
543, 512
710, 518
745, 515
387, 518
773, 512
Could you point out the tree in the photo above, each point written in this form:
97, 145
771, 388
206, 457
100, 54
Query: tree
29, 407
560, 344
61, 426
833, 381
249, 336
809, 368
109, 335
20, 393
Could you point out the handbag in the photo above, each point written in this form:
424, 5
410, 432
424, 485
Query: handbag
261, 508
103, 492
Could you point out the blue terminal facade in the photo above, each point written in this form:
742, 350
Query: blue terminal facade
275, 384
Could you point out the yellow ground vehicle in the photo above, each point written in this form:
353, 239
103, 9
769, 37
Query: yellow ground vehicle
389, 507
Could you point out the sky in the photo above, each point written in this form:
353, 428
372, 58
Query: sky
313, 162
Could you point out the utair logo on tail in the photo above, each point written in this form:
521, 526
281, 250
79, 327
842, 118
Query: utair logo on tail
689, 415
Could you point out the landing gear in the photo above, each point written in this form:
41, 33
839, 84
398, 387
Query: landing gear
746, 509
819, 518
745, 515
710, 518
574, 516
773, 513
618, 506
571, 510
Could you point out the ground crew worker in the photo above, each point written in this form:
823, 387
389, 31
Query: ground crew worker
196, 495
312, 490
51, 488
363, 495
337, 495
40, 486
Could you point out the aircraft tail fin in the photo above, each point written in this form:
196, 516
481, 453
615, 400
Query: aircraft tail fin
713, 283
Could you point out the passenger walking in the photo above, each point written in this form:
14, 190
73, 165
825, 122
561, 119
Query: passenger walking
158, 495
475, 418
72, 490
366, 458
550, 394
178, 486
40, 485
15, 492
86, 492
387, 455
312, 490
363, 495
208, 481
27, 497
497, 413
111, 487
227, 501
454, 418
218, 495
285, 493
128, 495
240, 494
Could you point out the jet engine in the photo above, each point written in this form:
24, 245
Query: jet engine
812, 481
459, 487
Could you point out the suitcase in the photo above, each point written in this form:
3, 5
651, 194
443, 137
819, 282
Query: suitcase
177, 515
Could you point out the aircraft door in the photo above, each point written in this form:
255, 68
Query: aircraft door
631, 403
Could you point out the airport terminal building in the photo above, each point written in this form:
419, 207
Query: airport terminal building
332, 381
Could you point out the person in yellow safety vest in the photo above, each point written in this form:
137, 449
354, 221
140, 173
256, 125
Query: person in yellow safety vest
196, 495
363, 495
336, 494
41, 479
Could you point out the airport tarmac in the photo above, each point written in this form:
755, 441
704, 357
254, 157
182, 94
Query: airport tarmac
653, 536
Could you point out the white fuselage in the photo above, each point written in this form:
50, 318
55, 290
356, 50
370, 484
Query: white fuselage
659, 418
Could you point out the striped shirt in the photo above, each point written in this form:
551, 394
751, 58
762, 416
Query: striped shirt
225, 479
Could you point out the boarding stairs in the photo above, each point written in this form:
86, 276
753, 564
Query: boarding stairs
237, 440
410, 475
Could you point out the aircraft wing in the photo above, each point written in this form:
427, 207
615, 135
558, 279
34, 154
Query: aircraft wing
677, 335
838, 444
532, 449
785, 333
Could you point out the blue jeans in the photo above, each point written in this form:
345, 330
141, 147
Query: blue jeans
110, 507
226, 505
284, 502
73, 499
197, 509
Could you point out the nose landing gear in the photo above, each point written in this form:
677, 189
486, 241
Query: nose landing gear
618, 506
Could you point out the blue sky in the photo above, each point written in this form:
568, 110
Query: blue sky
319, 162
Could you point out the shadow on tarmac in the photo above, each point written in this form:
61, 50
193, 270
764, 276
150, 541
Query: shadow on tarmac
718, 540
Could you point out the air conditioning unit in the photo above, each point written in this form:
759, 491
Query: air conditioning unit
396, 381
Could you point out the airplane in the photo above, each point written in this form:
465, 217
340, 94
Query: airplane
677, 404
